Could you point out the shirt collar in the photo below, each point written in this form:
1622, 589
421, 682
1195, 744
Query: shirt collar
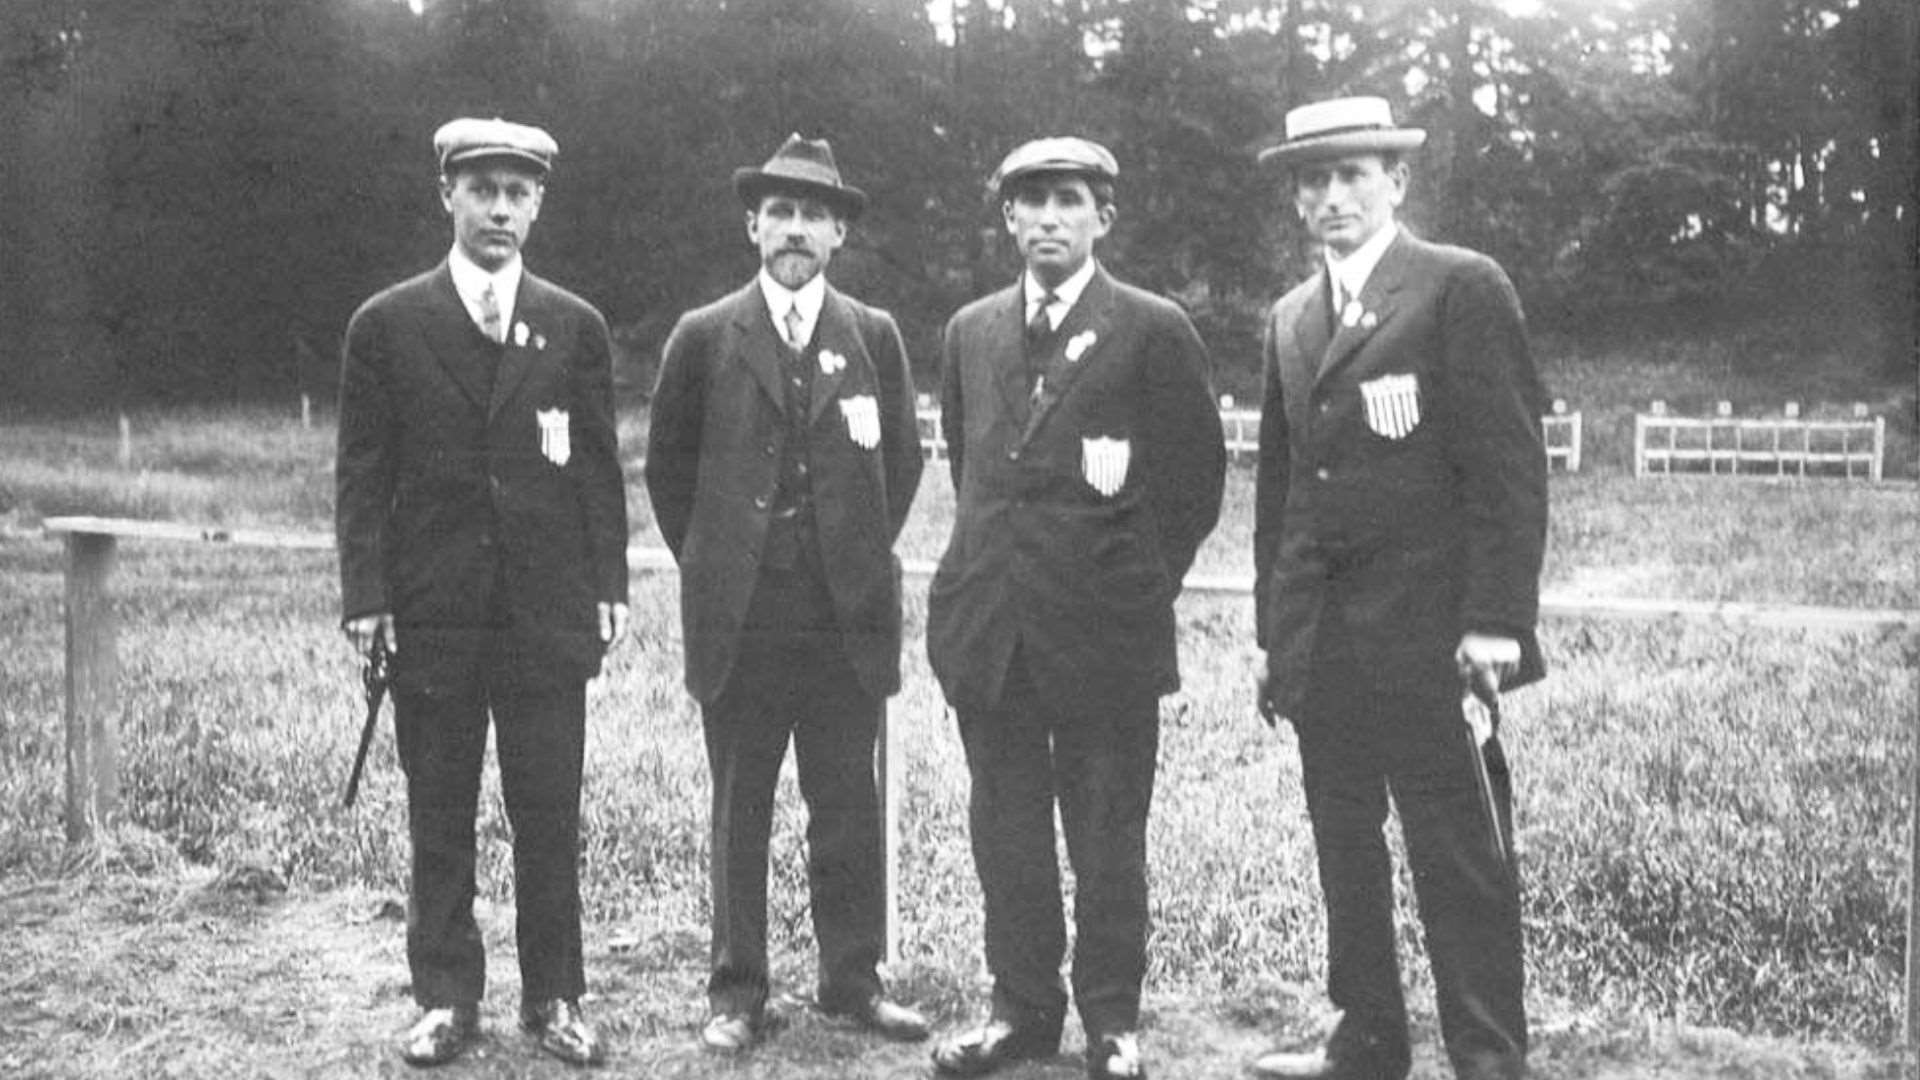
1066, 294
470, 281
781, 299
1353, 271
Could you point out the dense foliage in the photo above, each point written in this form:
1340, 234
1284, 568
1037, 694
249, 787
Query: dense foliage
200, 191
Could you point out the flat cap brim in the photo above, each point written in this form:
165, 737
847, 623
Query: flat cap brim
1055, 155
469, 139
1340, 144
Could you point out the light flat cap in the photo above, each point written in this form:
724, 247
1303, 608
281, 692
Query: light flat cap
1338, 127
471, 139
1055, 154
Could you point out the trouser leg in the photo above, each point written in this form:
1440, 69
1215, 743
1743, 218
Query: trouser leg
1468, 893
1010, 817
1343, 773
746, 736
539, 733
442, 741
1104, 762
833, 745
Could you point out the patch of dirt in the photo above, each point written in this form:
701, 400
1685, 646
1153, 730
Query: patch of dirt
189, 973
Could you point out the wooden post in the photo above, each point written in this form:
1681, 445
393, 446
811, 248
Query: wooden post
306, 412
889, 766
93, 751
126, 441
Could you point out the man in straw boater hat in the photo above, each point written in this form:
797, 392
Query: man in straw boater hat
482, 528
781, 461
1400, 519
1087, 461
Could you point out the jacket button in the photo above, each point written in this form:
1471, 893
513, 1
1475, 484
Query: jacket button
759, 502
767, 450
1013, 455
1321, 473
1326, 406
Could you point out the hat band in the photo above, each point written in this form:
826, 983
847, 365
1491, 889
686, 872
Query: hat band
1347, 129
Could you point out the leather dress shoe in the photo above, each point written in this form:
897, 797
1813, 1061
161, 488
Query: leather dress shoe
730, 1033
562, 1030
1115, 1057
994, 1045
887, 1019
440, 1035
1355, 1052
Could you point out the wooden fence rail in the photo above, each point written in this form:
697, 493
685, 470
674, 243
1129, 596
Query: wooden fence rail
92, 707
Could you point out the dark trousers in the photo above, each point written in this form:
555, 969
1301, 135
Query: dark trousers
1096, 757
791, 681
1358, 743
539, 731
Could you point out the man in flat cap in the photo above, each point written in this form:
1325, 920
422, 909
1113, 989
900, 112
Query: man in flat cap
482, 527
782, 458
1401, 514
1088, 459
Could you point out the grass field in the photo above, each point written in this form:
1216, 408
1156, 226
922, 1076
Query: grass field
1712, 820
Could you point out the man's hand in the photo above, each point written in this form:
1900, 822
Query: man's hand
613, 622
1264, 693
360, 632
1486, 661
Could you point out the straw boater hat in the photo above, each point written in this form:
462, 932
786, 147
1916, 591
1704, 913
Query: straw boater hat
470, 139
805, 166
1338, 127
1055, 154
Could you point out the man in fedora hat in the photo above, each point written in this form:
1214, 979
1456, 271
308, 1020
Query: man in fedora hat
1400, 519
1088, 462
781, 461
482, 529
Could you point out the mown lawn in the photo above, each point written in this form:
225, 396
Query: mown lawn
1712, 819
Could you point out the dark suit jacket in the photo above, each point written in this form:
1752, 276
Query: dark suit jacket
449, 513
713, 462
1083, 582
1407, 541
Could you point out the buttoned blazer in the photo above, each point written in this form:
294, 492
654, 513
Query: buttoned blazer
1419, 519
1083, 583
713, 461
459, 510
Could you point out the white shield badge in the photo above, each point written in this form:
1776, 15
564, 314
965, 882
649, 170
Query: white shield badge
862, 412
555, 442
1393, 404
1104, 464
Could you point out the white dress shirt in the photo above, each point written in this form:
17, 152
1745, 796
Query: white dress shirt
1065, 295
1352, 272
780, 300
471, 283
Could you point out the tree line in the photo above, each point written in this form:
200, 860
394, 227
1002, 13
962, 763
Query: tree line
200, 191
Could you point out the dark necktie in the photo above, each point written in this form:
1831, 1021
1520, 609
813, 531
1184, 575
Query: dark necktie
1040, 328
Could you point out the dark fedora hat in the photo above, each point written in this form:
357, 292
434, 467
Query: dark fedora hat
805, 167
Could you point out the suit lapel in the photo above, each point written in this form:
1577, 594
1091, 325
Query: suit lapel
836, 334
1377, 304
518, 356
1006, 336
1081, 333
453, 339
756, 345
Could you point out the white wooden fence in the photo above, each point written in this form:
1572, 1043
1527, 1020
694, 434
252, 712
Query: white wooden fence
1242, 427
1786, 445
